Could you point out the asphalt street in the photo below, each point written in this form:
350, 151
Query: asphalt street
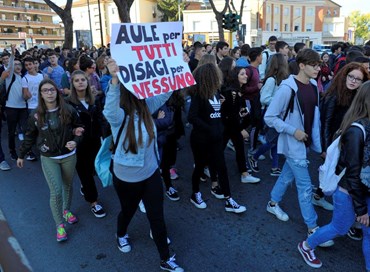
203, 240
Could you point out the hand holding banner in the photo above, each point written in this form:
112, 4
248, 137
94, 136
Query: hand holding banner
150, 58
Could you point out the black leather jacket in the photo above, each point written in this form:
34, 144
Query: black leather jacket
352, 148
331, 116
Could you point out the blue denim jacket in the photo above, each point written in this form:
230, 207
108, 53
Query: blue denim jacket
115, 115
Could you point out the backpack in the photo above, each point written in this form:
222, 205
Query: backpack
339, 64
327, 177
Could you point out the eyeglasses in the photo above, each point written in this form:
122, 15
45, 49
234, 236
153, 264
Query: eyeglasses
354, 79
46, 90
314, 66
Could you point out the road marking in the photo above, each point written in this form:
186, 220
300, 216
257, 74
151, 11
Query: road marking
18, 250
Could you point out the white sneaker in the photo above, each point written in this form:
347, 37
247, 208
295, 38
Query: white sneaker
4, 166
142, 207
328, 243
123, 244
151, 237
277, 211
249, 179
321, 202
232, 206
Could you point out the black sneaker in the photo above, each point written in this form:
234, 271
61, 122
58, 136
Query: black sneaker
196, 199
232, 206
13, 156
171, 265
355, 234
217, 192
31, 157
123, 244
172, 194
275, 172
98, 211
254, 164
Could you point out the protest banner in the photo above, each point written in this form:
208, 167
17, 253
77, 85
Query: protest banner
150, 58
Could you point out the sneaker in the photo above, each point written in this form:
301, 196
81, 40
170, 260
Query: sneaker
21, 136
123, 244
172, 194
216, 191
173, 174
277, 211
230, 145
196, 199
171, 265
142, 207
31, 157
61, 233
309, 256
321, 202
275, 172
4, 166
98, 211
328, 243
13, 156
69, 217
232, 206
249, 179
206, 172
252, 151
151, 237
355, 234
254, 164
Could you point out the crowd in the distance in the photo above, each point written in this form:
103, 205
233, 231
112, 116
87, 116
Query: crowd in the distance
277, 100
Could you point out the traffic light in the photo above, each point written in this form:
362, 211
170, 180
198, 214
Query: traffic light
231, 21
226, 24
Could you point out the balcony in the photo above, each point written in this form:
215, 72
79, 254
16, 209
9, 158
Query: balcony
32, 24
40, 37
29, 10
5, 36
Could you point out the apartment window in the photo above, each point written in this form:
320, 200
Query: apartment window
309, 27
328, 12
296, 28
15, 17
3, 16
26, 5
286, 11
268, 9
310, 12
276, 10
267, 26
335, 12
276, 27
1, 3
13, 4
196, 26
285, 27
30, 31
298, 12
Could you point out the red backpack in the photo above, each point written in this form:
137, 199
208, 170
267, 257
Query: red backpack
339, 64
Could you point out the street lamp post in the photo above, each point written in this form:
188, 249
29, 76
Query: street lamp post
100, 24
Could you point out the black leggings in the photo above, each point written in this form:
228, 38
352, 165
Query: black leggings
168, 158
150, 191
238, 142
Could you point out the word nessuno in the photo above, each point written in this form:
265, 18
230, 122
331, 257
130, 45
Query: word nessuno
150, 75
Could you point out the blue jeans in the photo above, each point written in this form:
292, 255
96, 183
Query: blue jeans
343, 218
264, 148
297, 170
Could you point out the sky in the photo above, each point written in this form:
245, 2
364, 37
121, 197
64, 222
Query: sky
350, 5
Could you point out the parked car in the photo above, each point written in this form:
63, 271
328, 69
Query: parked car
321, 48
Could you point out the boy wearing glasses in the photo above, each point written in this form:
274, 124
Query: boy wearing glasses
299, 130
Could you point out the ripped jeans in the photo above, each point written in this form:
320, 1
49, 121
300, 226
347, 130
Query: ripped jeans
297, 170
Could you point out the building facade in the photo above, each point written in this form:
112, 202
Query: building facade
87, 11
28, 23
311, 21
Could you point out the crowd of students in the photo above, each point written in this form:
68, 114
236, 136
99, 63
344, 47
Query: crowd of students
62, 108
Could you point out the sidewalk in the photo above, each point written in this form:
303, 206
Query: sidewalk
12, 257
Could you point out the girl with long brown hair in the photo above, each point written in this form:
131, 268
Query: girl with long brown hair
53, 126
136, 172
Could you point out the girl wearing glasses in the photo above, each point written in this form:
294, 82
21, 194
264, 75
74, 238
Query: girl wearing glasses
54, 127
334, 106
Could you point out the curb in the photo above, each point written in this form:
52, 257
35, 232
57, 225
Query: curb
12, 257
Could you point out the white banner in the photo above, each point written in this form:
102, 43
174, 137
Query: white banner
150, 58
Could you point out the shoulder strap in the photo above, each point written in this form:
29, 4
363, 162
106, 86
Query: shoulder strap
10, 86
356, 124
119, 135
290, 105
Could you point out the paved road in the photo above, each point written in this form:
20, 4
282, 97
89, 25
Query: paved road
204, 240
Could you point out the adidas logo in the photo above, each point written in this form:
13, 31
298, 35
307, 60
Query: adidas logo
216, 105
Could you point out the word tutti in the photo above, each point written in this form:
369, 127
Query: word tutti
154, 51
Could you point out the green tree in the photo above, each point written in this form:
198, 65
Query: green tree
361, 22
170, 9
